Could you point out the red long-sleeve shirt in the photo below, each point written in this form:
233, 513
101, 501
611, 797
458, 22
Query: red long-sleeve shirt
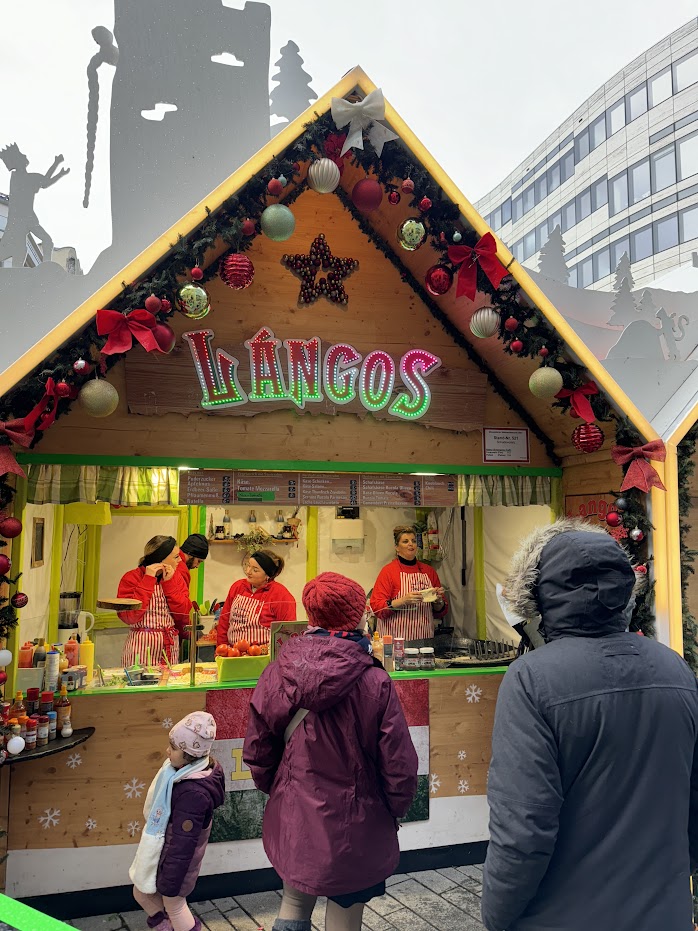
413, 622
136, 584
248, 615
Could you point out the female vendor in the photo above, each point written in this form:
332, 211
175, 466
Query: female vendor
154, 628
397, 599
256, 601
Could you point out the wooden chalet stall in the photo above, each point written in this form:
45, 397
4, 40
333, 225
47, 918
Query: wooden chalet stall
394, 402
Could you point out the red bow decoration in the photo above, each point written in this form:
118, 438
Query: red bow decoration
333, 149
467, 257
16, 431
641, 473
121, 328
579, 400
40, 417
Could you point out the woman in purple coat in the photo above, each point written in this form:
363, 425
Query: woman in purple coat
327, 740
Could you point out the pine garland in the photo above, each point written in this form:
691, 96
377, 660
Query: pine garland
686, 466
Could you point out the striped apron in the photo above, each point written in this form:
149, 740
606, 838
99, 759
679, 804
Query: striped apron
413, 622
245, 624
154, 630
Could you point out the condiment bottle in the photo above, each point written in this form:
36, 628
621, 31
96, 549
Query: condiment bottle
42, 734
11, 722
52, 726
46, 703
31, 734
18, 706
39, 658
52, 670
388, 656
32, 702
62, 707
72, 651
377, 646
63, 663
226, 524
87, 657
252, 519
22, 721
67, 729
399, 652
26, 656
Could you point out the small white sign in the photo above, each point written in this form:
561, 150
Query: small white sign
505, 445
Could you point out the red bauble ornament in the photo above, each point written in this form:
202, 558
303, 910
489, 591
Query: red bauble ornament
3, 680
10, 527
574, 415
5, 564
438, 280
641, 570
516, 346
165, 337
614, 519
275, 187
511, 324
80, 366
165, 305
63, 389
236, 271
543, 352
296, 167
19, 600
197, 273
153, 304
587, 438
407, 186
367, 195
248, 227
637, 535
394, 198
425, 204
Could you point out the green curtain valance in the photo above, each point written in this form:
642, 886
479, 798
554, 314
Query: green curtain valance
127, 486
506, 490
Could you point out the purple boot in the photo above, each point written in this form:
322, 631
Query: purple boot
159, 922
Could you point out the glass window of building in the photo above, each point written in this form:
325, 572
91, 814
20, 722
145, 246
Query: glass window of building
529, 244
581, 146
602, 264
615, 117
568, 216
688, 220
687, 149
663, 168
554, 177
636, 102
555, 220
506, 211
528, 199
497, 218
541, 234
597, 131
659, 87
517, 208
583, 204
599, 193
567, 166
617, 250
572, 280
641, 244
585, 273
517, 250
666, 233
639, 177
618, 193
541, 188
685, 72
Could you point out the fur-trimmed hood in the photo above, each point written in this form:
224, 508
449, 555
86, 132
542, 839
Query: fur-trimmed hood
573, 576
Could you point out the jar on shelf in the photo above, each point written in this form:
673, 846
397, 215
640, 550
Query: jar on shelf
426, 658
411, 658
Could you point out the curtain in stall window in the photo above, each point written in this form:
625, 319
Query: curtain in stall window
127, 486
505, 490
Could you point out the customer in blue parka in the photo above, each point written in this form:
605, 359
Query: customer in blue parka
593, 785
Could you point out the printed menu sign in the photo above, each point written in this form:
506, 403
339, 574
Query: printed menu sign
205, 486
276, 487
391, 491
330, 489
439, 491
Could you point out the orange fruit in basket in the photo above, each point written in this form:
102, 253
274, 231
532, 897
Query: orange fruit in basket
255, 650
243, 646
233, 651
222, 649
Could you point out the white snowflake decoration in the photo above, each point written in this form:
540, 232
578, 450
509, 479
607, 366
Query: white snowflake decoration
133, 827
90, 824
462, 755
473, 693
167, 724
463, 786
134, 788
434, 783
50, 818
74, 760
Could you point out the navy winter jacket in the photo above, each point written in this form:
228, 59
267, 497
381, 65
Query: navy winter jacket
593, 785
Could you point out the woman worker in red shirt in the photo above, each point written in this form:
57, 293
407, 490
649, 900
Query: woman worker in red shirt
397, 599
256, 601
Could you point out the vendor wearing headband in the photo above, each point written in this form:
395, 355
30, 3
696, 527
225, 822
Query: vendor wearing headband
165, 604
192, 553
255, 602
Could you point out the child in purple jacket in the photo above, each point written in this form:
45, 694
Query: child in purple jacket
178, 815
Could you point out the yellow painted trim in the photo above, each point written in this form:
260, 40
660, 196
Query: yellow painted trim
658, 516
17, 556
673, 548
685, 425
311, 543
91, 578
55, 575
479, 572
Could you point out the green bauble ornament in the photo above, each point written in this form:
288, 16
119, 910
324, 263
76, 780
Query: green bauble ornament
98, 398
411, 234
277, 222
545, 382
192, 301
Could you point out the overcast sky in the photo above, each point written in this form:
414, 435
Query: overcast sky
481, 84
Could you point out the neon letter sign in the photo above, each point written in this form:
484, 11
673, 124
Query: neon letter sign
219, 381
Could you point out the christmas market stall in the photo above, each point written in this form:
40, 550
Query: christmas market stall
330, 345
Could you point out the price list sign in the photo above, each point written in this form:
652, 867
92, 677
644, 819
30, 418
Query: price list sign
205, 486
276, 487
391, 491
439, 491
330, 489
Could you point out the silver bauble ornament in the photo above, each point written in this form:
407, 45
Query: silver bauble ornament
323, 176
98, 398
192, 300
545, 382
484, 323
277, 222
636, 535
411, 234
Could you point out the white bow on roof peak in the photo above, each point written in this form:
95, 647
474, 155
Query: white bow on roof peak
363, 115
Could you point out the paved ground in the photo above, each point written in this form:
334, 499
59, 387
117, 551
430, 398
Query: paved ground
445, 900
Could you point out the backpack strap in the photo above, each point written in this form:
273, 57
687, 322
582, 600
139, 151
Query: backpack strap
297, 719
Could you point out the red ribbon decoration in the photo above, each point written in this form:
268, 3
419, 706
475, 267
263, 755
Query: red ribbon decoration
579, 400
39, 417
467, 257
121, 328
641, 474
15, 431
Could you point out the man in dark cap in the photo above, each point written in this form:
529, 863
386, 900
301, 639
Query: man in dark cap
593, 789
191, 554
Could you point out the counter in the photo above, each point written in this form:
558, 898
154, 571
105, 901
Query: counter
75, 818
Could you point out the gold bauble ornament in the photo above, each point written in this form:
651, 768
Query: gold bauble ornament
411, 234
98, 398
545, 382
192, 301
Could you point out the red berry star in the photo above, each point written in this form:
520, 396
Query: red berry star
308, 266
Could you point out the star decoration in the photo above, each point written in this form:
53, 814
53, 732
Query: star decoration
307, 267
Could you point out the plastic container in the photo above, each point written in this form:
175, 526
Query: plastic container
87, 657
234, 668
42, 732
30, 737
399, 651
426, 658
377, 645
52, 725
33, 700
52, 672
25, 656
46, 703
22, 721
39, 658
411, 659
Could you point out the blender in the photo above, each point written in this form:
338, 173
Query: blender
68, 611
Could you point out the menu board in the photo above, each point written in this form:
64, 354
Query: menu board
317, 489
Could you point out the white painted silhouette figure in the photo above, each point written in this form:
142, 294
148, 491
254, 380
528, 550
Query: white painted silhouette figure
22, 220
642, 340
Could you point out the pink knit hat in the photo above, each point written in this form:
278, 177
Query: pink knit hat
334, 602
195, 734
